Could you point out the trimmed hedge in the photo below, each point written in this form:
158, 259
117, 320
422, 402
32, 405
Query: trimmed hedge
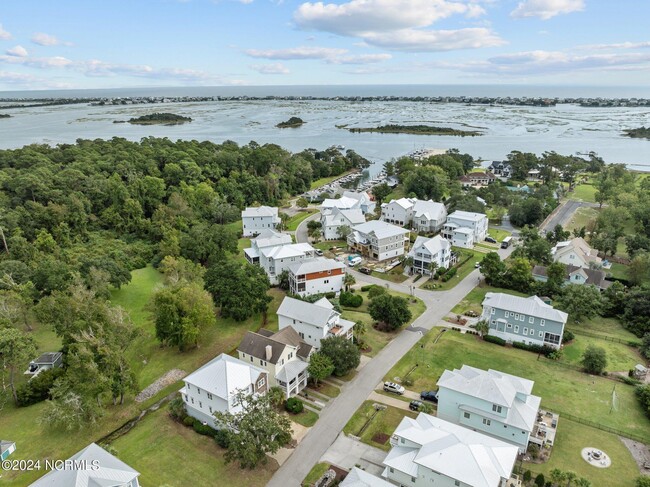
449, 274
567, 336
350, 300
188, 421
294, 405
543, 349
493, 339
203, 429
367, 288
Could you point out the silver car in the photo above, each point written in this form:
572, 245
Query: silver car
394, 388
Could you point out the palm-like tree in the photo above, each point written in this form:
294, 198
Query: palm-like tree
348, 281
557, 476
582, 482
570, 477
483, 327
433, 265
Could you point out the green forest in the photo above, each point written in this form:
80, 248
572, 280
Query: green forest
160, 119
291, 123
416, 129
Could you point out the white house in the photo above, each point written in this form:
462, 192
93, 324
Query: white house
492, 402
365, 203
431, 451
428, 250
423, 216
361, 478
378, 240
526, 320
332, 220
342, 203
275, 253
576, 252
91, 467
213, 387
316, 276
313, 321
581, 276
464, 228
254, 220
284, 355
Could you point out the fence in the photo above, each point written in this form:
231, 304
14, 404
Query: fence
604, 337
615, 378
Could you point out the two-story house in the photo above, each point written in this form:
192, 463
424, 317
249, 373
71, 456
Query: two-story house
492, 402
422, 216
430, 451
576, 252
581, 276
254, 220
477, 179
502, 169
313, 321
275, 252
365, 203
426, 251
284, 356
91, 467
527, 320
378, 240
465, 228
332, 221
213, 387
316, 276
342, 203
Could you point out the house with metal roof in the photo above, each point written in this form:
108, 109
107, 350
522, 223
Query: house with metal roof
465, 228
254, 220
364, 200
284, 355
423, 216
492, 402
426, 251
360, 478
332, 220
431, 451
313, 321
378, 240
91, 467
576, 275
526, 320
316, 276
342, 203
46, 361
213, 387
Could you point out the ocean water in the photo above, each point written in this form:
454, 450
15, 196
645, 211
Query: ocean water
566, 129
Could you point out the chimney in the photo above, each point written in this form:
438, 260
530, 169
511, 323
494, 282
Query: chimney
269, 353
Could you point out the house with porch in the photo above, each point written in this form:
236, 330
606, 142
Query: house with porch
283, 355
332, 220
477, 179
316, 276
576, 275
212, 388
365, 202
576, 252
491, 402
91, 467
432, 451
501, 169
378, 240
526, 320
313, 321
426, 251
254, 220
422, 216
465, 228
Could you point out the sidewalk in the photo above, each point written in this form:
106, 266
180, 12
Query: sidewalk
389, 401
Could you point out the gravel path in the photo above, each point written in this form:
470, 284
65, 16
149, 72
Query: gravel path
640, 452
167, 379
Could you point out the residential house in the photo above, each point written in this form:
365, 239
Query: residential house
477, 179
422, 216
283, 355
316, 276
464, 228
212, 388
332, 220
46, 361
342, 203
430, 250
576, 252
491, 402
6, 449
91, 467
313, 321
502, 169
576, 275
431, 451
526, 320
275, 253
254, 220
361, 478
534, 175
378, 240
365, 202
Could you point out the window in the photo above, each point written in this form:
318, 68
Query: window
188, 387
391, 470
494, 322
186, 398
532, 331
509, 325
412, 479
541, 334
507, 314
496, 408
487, 422
200, 404
516, 316
251, 358
531, 320
210, 409
522, 317
192, 400
456, 482
542, 322
525, 331
466, 415
492, 312
209, 396
516, 328
198, 391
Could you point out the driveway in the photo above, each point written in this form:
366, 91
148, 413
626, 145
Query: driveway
563, 213
301, 231
347, 452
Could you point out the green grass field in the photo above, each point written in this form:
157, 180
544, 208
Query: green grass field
462, 271
315, 473
306, 418
498, 234
606, 327
472, 301
561, 389
620, 357
582, 217
394, 275
583, 192
385, 422
294, 221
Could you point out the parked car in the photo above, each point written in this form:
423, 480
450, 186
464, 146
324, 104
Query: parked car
319, 252
429, 396
394, 388
490, 239
365, 270
415, 405
352, 261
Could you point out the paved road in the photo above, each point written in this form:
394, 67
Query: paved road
337, 413
562, 214
301, 231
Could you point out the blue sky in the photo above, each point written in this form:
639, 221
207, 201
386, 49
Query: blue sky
119, 43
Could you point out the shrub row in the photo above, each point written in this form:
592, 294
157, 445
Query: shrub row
543, 349
449, 274
493, 339
350, 300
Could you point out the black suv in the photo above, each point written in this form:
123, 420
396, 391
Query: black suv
365, 270
429, 396
415, 405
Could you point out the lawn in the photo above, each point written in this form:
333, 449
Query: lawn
385, 422
498, 234
561, 389
136, 294
315, 473
159, 446
396, 274
326, 389
583, 192
375, 339
582, 217
571, 438
620, 357
618, 271
462, 272
294, 221
306, 418
606, 327
242, 244
472, 301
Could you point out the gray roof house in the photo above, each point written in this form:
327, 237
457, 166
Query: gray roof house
527, 320
361, 478
378, 240
495, 403
93, 467
428, 250
576, 275
48, 360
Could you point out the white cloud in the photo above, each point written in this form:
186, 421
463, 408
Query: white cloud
296, 53
435, 40
4, 35
18, 51
38, 62
43, 39
273, 68
620, 45
546, 9
360, 59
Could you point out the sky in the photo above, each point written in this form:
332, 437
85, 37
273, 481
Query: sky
78, 44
